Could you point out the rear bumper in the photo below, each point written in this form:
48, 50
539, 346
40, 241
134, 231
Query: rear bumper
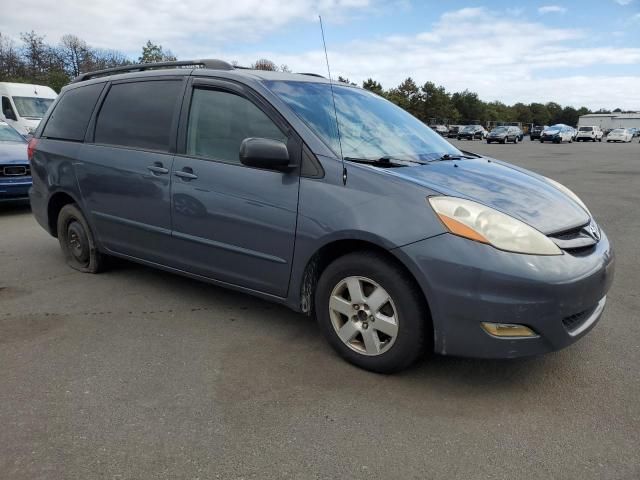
561, 298
39, 208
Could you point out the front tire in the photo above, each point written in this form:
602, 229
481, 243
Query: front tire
77, 241
372, 313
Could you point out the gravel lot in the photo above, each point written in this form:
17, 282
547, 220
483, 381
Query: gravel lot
137, 373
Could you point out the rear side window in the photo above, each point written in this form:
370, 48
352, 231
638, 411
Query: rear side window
71, 114
220, 121
139, 114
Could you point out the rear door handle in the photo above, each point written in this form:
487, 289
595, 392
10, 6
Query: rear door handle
157, 168
186, 174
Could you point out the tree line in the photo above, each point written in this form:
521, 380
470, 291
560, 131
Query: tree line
35, 61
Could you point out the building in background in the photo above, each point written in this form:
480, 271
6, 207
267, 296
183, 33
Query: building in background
609, 121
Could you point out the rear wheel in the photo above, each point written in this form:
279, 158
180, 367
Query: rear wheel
77, 241
371, 313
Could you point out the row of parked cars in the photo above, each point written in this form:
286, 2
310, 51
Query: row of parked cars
555, 133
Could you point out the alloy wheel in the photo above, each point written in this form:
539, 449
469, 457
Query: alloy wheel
363, 315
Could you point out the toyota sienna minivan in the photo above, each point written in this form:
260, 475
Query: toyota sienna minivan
359, 214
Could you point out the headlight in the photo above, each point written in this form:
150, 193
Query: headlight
569, 194
484, 224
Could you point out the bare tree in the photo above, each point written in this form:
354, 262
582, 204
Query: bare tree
265, 64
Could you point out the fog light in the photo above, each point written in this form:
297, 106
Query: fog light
508, 330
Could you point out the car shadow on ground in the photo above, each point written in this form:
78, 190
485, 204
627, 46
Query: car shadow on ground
455, 375
14, 208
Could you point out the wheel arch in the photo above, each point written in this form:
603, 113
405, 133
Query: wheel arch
56, 201
335, 249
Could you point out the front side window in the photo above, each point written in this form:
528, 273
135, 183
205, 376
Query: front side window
370, 127
219, 122
6, 105
139, 114
32, 107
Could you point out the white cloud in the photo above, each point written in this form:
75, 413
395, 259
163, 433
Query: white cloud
508, 59
127, 24
551, 9
623, 2
500, 56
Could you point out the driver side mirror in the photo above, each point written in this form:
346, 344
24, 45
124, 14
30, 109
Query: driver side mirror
264, 153
9, 115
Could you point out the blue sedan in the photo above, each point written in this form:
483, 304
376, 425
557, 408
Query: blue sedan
15, 173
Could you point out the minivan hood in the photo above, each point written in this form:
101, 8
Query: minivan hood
514, 191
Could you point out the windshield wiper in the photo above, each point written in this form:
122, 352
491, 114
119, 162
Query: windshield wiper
448, 156
385, 161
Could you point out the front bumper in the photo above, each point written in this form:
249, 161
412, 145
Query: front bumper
14, 189
561, 298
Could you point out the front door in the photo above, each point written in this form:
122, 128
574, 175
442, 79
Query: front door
232, 223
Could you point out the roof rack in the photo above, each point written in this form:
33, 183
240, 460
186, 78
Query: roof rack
311, 74
205, 63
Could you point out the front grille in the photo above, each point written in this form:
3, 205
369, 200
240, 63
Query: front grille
577, 240
14, 170
573, 322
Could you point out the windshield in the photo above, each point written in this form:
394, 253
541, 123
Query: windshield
370, 127
618, 130
499, 130
586, 129
33, 107
552, 129
8, 134
469, 128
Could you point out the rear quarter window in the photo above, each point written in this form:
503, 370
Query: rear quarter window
71, 114
139, 114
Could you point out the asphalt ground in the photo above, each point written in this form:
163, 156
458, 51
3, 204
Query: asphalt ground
140, 374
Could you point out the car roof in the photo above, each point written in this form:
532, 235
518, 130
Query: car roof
210, 67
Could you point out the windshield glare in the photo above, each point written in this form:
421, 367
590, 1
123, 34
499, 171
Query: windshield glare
8, 134
370, 127
33, 107
499, 130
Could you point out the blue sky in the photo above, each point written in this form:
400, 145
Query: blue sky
574, 52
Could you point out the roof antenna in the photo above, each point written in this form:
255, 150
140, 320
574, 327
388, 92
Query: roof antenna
333, 98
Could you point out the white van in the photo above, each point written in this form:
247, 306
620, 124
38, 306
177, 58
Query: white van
24, 105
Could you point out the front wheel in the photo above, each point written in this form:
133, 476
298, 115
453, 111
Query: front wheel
516, 140
372, 313
77, 241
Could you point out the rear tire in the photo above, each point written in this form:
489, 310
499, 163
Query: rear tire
77, 241
380, 312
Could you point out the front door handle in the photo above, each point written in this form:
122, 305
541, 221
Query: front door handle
186, 174
158, 169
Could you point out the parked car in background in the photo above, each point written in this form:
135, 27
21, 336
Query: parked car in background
453, 131
24, 105
557, 134
472, 132
440, 129
536, 131
592, 134
634, 131
433, 249
504, 135
619, 135
15, 172
574, 133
